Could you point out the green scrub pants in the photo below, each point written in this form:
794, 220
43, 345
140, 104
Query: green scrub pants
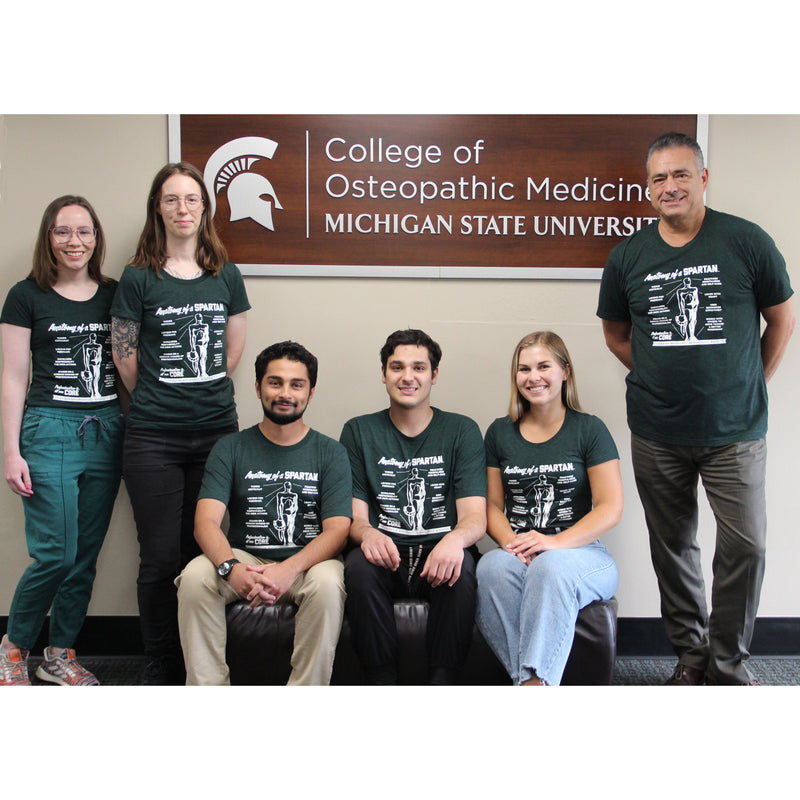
74, 458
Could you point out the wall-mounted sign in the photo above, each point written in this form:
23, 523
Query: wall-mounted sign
439, 196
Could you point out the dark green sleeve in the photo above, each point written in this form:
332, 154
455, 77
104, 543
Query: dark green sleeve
239, 301
469, 470
337, 487
218, 476
128, 300
18, 307
772, 282
612, 303
352, 446
601, 447
490, 445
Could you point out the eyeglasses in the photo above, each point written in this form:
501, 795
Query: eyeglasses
191, 201
63, 234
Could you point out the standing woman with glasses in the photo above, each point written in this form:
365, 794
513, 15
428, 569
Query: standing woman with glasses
62, 430
178, 332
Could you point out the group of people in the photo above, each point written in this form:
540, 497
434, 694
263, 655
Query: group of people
396, 506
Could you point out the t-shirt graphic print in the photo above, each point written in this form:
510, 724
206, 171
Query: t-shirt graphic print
192, 347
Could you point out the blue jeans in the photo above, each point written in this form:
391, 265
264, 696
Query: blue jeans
527, 613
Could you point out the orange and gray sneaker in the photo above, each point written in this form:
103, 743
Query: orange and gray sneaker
64, 669
14, 667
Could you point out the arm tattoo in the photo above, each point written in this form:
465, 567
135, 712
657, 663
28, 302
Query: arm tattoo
124, 336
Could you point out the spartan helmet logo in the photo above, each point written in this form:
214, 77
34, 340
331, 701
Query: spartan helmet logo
250, 195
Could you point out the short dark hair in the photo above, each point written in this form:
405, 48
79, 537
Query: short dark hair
411, 336
675, 139
291, 350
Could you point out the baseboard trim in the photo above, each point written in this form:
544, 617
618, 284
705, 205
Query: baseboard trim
636, 636
100, 636
645, 637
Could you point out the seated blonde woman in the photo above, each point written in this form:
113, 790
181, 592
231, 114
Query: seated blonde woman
554, 488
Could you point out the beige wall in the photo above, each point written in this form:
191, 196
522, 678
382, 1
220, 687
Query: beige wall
111, 159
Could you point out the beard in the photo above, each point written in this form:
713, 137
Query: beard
282, 418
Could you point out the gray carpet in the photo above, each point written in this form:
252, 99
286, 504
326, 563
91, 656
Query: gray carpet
769, 670
629, 671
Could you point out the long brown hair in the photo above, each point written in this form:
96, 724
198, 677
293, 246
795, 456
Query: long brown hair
45, 269
151, 252
555, 344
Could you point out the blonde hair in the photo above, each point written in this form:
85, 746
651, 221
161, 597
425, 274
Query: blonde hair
555, 344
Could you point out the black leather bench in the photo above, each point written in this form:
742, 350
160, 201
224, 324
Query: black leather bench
260, 645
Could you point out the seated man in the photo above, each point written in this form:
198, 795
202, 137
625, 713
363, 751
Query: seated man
419, 501
288, 491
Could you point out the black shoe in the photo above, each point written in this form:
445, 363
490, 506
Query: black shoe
163, 671
382, 676
441, 676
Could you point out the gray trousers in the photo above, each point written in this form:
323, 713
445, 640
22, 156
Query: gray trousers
733, 478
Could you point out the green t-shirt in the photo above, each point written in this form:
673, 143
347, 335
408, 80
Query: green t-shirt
546, 485
277, 497
182, 383
411, 484
71, 358
697, 376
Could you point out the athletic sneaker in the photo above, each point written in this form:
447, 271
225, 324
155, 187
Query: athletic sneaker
64, 670
14, 667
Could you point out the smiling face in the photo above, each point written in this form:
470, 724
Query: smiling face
179, 220
408, 376
72, 256
284, 391
540, 377
677, 185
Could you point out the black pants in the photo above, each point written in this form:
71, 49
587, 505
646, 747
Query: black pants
163, 471
370, 612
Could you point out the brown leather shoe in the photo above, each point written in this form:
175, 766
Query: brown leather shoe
685, 676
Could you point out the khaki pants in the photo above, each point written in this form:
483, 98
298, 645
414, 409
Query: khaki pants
203, 595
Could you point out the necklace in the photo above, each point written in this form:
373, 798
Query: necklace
184, 275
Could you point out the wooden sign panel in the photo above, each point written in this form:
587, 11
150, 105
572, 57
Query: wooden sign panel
450, 195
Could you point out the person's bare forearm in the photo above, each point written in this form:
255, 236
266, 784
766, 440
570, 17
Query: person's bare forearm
125, 350
775, 339
618, 340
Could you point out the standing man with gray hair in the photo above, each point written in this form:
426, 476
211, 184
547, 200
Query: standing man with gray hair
682, 302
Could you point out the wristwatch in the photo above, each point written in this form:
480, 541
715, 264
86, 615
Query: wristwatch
224, 569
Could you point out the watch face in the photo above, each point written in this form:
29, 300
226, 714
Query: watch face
224, 569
